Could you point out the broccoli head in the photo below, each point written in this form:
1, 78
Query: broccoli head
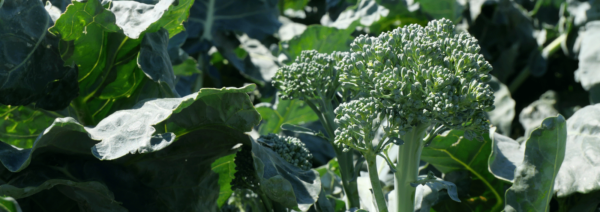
423, 75
313, 75
291, 149
358, 121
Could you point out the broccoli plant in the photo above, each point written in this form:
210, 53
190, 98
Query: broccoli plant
422, 78
413, 83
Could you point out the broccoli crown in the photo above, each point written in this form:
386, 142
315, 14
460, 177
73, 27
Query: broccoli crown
422, 75
291, 149
313, 75
245, 175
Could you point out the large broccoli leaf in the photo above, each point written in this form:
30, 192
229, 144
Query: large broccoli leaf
113, 49
257, 18
580, 171
177, 140
30, 66
506, 155
533, 185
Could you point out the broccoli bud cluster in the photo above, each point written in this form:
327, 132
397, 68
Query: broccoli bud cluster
312, 76
291, 149
422, 75
358, 122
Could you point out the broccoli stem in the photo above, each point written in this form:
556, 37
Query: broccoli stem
409, 156
345, 159
374, 177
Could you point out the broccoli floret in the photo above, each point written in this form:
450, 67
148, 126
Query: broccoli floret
423, 74
291, 149
358, 121
312, 76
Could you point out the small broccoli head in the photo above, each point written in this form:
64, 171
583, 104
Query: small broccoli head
312, 76
424, 74
291, 149
358, 121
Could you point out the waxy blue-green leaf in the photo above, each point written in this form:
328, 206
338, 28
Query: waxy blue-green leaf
165, 175
506, 155
154, 58
427, 193
532, 116
533, 185
283, 182
504, 107
580, 170
31, 69
257, 18
153, 124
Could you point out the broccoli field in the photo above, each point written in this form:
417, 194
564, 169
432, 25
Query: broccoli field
300, 105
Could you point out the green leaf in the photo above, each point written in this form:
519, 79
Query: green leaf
365, 12
427, 193
450, 9
189, 78
580, 170
225, 167
504, 112
163, 176
257, 18
9, 204
451, 152
154, 58
283, 182
400, 14
506, 155
154, 124
21, 125
533, 186
532, 116
294, 112
294, 4
321, 38
587, 60
31, 69
107, 44
187, 68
